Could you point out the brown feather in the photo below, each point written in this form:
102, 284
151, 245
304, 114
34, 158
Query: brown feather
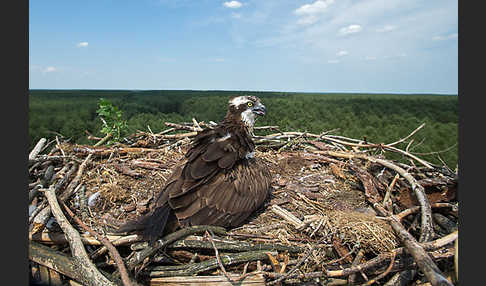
217, 184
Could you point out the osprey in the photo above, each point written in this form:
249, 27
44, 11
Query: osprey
220, 182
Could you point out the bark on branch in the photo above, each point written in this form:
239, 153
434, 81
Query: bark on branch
87, 270
195, 268
168, 239
423, 260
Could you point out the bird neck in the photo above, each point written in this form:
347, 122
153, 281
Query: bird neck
238, 121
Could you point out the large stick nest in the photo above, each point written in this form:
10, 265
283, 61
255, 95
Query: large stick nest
321, 202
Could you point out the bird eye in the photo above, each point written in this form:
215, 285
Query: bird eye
250, 104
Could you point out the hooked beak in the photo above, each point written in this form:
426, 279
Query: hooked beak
259, 109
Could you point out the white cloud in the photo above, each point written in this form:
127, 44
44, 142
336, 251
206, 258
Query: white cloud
232, 4
43, 69
351, 29
370, 58
446, 37
333, 61
342, 53
308, 12
82, 44
49, 69
386, 28
317, 7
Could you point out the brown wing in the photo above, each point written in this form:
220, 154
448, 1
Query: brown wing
216, 186
228, 199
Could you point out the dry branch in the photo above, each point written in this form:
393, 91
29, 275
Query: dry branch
232, 246
409, 135
37, 149
250, 280
55, 260
140, 256
195, 268
426, 230
383, 257
423, 260
40, 220
60, 238
113, 252
103, 151
388, 269
88, 271
287, 216
307, 218
74, 183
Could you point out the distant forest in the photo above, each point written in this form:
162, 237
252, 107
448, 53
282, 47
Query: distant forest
382, 118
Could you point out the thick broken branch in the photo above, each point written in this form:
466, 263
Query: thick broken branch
113, 252
55, 260
88, 272
37, 148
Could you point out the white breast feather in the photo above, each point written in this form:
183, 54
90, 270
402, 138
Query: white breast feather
248, 118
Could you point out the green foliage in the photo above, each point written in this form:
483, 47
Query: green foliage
112, 118
382, 118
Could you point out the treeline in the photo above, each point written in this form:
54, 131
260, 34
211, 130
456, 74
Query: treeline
381, 118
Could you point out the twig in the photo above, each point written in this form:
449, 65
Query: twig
431, 245
389, 189
196, 125
102, 151
216, 253
297, 266
345, 256
151, 249
74, 183
90, 275
288, 216
112, 250
410, 135
59, 146
230, 245
423, 260
357, 261
426, 230
117, 241
44, 214
392, 260
37, 148
415, 209
103, 140
210, 264
436, 152
181, 127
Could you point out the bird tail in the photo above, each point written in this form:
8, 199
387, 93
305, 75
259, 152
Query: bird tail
151, 225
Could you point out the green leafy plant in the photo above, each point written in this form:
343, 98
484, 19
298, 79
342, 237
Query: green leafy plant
112, 119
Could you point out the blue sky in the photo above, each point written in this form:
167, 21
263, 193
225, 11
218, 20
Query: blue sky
389, 46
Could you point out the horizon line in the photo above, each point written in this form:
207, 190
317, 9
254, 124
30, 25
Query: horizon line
236, 90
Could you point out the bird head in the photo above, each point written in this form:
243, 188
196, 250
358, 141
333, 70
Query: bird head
247, 108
